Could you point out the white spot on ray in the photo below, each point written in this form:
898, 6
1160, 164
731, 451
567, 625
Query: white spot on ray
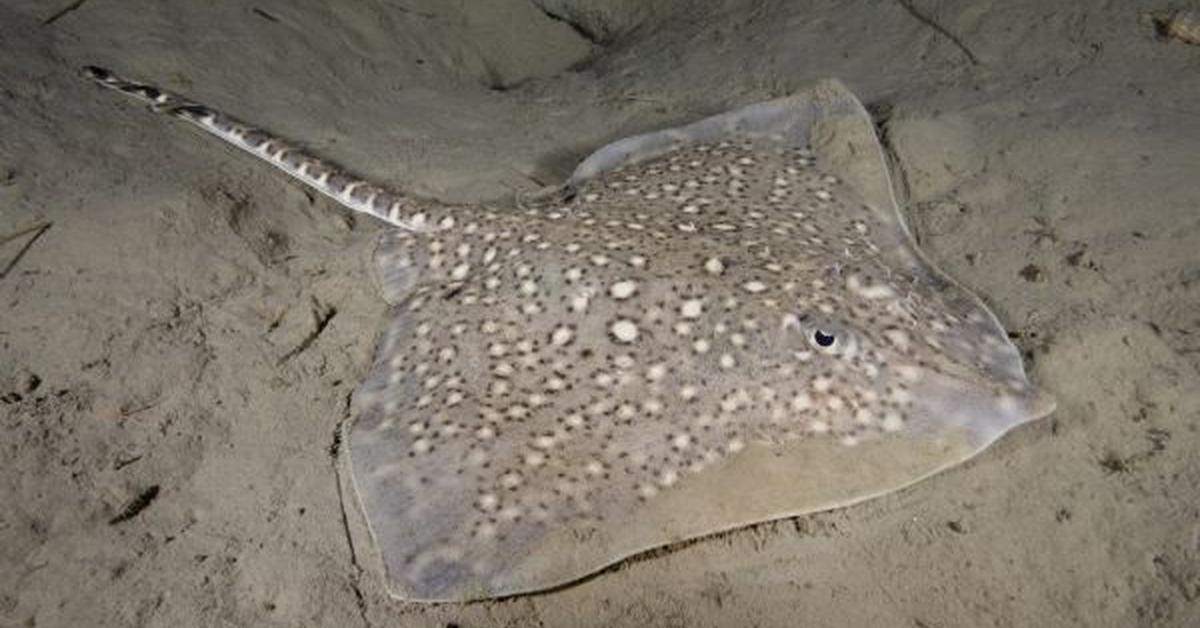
754, 286
624, 330
562, 336
622, 289
579, 303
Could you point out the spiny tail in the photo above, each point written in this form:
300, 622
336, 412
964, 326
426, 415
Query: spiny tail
326, 178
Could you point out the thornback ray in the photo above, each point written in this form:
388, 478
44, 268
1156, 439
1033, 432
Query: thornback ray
712, 326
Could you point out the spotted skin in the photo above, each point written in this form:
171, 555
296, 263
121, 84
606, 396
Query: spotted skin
557, 369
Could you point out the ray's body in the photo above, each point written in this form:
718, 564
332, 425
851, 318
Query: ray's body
562, 384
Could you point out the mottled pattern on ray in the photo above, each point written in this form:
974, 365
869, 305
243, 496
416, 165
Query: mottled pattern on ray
714, 325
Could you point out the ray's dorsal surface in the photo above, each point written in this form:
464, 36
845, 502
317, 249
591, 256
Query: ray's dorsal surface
719, 324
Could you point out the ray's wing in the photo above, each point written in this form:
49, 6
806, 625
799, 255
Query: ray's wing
482, 430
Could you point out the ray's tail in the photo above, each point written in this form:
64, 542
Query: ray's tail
327, 178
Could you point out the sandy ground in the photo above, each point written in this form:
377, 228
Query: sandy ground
178, 348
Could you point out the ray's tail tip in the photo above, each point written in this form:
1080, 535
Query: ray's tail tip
95, 73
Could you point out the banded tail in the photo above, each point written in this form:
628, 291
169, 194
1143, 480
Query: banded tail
356, 194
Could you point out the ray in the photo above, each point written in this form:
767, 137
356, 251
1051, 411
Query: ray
711, 326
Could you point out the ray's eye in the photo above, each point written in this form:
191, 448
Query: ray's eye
822, 339
829, 337
835, 341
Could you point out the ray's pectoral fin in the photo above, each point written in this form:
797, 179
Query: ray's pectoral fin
981, 408
395, 266
994, 394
